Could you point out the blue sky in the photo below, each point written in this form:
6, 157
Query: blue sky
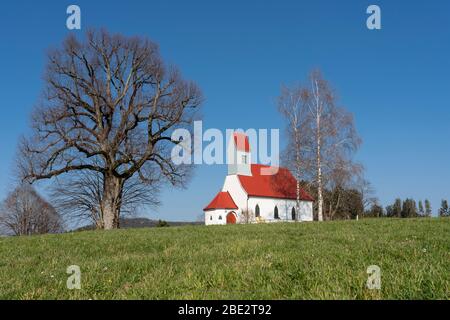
395, 80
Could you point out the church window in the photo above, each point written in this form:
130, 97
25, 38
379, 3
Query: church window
293, 213
257, 214
275, 213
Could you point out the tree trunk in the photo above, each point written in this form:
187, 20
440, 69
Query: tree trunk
111, 201
297, 209
319, 169
319, 196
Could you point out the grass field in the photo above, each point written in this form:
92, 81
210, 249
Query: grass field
280, 261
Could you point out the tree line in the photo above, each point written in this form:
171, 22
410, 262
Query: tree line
408, 208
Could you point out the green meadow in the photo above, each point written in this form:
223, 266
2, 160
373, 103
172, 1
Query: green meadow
326, 260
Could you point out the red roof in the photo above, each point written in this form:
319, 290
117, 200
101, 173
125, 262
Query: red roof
280, 185
222, 200
241, 141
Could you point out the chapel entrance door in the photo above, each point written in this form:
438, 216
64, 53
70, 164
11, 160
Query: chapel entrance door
231, 218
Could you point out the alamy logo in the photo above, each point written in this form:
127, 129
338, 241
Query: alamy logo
74, 280
374, 20
74, 20
190, 148
374, 279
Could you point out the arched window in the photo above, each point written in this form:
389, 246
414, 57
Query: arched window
293, 213
257, 211
275, 213
220, 217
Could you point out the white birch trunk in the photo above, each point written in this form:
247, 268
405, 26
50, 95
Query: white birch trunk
298, 168
318, 158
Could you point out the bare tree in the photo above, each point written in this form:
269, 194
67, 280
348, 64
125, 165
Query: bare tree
291, 104
25, 212
367, 192
326, 137
78, 198
247, 216
341, 178
109, 108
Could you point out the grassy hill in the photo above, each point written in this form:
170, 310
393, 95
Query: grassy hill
279, 261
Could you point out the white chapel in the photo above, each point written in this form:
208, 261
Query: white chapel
251, 194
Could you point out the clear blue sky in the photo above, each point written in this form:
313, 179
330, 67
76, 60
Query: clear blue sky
396, 81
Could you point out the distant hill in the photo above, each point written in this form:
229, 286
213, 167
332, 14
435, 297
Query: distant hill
130, 223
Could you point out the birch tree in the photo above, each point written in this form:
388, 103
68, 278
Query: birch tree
322, 135
109, 107
291, 104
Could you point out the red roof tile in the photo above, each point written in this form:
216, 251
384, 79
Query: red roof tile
280, 185
222, 200
241, 141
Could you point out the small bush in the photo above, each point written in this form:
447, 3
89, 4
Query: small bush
162, 223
